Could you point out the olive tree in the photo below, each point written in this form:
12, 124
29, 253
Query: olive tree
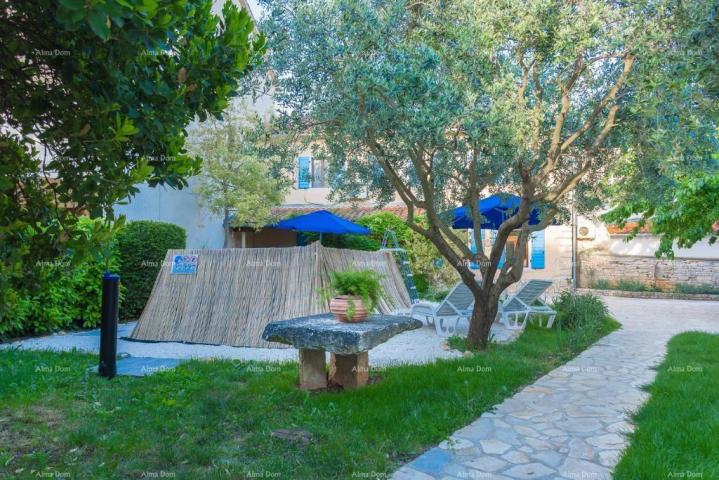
441, 103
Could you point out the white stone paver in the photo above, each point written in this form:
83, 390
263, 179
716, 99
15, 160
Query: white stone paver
571, 423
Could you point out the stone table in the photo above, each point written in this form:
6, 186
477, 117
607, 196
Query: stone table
347, 342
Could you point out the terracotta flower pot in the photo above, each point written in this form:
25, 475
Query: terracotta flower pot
340, 304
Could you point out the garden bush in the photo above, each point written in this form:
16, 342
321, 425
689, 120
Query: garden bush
431, 272
696, 289
579, 316
575, 310
601, 284
142, 246
67, 292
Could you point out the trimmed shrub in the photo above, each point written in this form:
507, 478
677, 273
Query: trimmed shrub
67, 293
142, 246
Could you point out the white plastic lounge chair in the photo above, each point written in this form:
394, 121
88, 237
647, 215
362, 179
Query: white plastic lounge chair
521, 304
456, 305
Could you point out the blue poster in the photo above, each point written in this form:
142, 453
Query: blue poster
184, 265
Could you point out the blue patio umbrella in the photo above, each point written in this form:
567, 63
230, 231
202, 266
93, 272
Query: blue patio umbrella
495, 209
321, 222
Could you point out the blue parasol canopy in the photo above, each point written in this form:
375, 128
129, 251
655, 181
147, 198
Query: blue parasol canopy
495, 209
321, 221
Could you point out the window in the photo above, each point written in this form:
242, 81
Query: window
319, 173
311, 173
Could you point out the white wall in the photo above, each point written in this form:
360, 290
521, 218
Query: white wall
646, 245
643, 245
181, 207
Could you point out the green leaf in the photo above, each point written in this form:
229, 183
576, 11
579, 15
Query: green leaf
72, 4
99, 23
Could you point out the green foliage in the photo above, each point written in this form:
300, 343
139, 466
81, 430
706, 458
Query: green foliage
142, 246
423, 255
366, 284
601, 284
575, 310
351, 241
688, 216
244, 171
634, 286
579, 317
380, 222
67, 290
670, 175
100, 94
696, 289
429, 274
435, 295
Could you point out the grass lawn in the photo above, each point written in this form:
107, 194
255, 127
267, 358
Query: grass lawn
677, 433
213, 419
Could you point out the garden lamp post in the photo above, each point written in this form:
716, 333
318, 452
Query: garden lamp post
108, 325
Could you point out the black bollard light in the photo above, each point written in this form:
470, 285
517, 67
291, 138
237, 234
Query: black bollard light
108, 325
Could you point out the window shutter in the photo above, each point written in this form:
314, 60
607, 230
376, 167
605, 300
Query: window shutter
538, 250
303, 172
473, 249
501, 259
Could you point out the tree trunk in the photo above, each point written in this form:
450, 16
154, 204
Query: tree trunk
226, 228
483, 315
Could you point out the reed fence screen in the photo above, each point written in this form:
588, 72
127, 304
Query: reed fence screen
237, 291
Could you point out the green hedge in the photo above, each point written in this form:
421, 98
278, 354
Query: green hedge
142, 246
65, 294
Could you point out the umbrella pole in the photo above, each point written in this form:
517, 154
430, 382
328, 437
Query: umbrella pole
320, 238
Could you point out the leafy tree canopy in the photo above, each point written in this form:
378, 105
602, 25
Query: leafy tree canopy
669, 176
245, 170
95, 99
444, 102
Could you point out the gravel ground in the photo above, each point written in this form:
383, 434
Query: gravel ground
416, 346
412, 347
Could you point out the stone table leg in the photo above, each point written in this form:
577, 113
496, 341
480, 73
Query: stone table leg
350, 371
312, 369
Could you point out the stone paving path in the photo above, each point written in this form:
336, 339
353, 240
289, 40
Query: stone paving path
571, 423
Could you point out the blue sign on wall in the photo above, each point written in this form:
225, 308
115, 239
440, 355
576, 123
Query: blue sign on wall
184, 265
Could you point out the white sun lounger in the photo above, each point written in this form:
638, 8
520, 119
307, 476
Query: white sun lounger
514, 311
455, 306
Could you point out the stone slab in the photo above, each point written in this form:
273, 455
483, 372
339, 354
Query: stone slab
325, 332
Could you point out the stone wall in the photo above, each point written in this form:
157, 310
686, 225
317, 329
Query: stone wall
660, 273
652, 295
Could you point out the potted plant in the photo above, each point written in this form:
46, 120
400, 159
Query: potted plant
354, 294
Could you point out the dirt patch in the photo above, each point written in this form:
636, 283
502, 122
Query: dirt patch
25, 431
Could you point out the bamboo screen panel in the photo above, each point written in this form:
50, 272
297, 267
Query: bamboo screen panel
237, 291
